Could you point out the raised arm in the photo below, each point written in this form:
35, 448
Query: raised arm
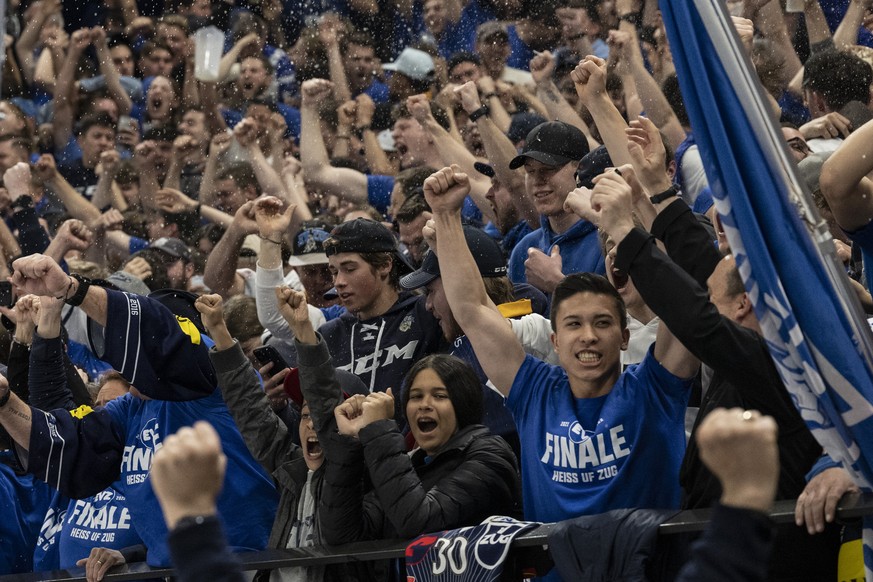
451, 150
373, 152
62, 123
542, 67
24, 46
265, 435
245, 133
499, 150
220, 272
218, 145
496, 346
610, 206
844, 182
110, 72
589, 78
654, 103
274, 228
75, 203
230, 57
329, 30
343, 182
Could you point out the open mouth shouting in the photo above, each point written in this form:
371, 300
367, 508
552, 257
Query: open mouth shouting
426, 425
619, 279
313, 448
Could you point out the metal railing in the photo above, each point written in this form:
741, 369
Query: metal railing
852, 506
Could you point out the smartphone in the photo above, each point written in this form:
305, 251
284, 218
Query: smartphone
7, 297
265, 354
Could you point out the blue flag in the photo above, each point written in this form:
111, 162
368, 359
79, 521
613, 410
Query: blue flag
811, 320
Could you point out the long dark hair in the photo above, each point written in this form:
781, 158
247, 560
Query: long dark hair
462, 384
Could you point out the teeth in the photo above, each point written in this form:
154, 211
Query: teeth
587, 357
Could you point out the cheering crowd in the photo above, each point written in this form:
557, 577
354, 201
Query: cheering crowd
394, 267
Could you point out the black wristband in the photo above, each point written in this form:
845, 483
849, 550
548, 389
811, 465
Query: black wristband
665, 195
22, 202
81, 291
481, 112
635, 18
490, 95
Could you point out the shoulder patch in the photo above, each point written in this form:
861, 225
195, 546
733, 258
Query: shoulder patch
81, 412
189, 329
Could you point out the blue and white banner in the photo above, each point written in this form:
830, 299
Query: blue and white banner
817, 335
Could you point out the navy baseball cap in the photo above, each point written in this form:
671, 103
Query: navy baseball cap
554, 143
485, 169
486, 252
522, 124
309, 247
592, 165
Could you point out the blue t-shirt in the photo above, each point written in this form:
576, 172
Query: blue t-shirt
99, 521
379, 192
165, 357
378, 92
584, 456
46, 555
520, 53
579, 247
23, 504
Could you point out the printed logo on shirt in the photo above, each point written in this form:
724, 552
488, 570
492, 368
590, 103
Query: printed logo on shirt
578, 434
137, 459
407, 322
81, 412
51, 526
98, 518
491, 548
595, 450
382, 357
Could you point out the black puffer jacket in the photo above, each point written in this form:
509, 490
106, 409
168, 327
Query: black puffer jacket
474, 476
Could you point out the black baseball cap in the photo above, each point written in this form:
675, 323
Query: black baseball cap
553, 143
486, 252
173, 247
363, 235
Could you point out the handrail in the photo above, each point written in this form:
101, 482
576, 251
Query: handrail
852, 506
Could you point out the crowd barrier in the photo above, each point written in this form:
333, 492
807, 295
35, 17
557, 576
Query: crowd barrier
852, 506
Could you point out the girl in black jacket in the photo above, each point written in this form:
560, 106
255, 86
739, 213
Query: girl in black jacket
459, 475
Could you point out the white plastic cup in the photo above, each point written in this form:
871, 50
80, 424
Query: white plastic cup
208, 49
